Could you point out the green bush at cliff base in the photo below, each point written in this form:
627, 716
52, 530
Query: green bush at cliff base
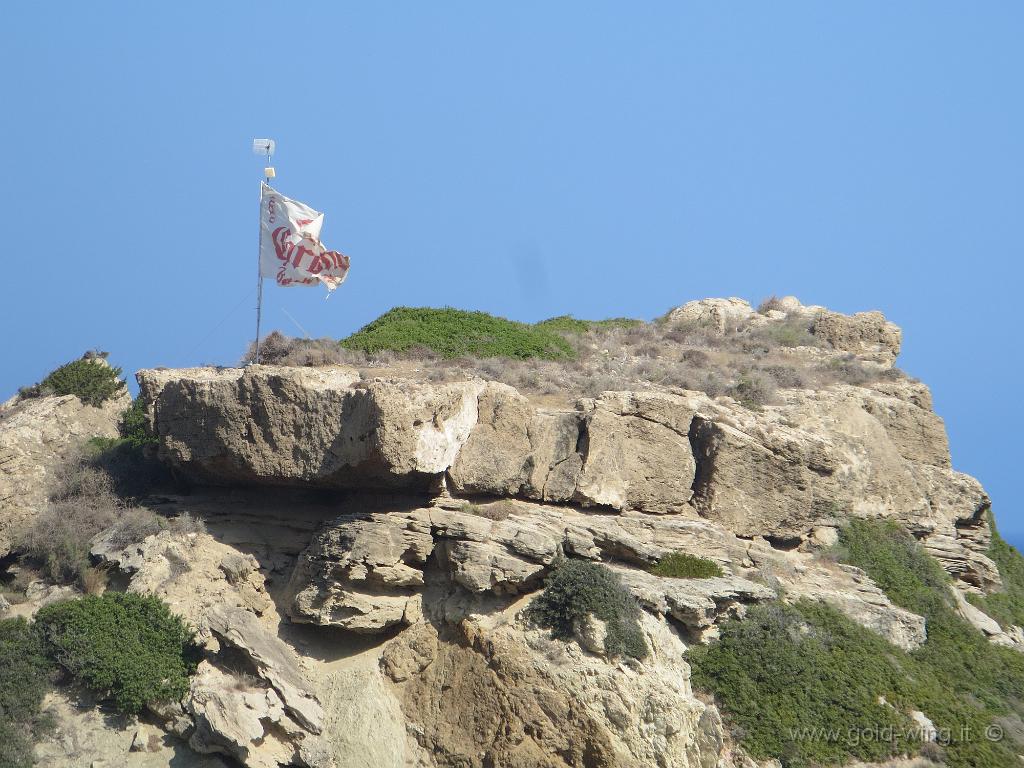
24, 679
967, 684
92, 381
454, 333
784, 671
801, 683
681, 565
126, 647
1007, 605
576, 588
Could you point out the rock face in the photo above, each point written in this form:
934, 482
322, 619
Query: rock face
36, 436
815, 459
368, 573
490, 692
249, 699
372, 545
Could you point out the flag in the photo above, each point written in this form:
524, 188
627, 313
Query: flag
290, 247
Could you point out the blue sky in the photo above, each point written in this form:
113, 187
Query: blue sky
528, 159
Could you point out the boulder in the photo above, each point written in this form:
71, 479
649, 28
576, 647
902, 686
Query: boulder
865, 334
316, 427
715, 314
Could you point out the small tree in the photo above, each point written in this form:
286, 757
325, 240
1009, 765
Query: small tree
91, 380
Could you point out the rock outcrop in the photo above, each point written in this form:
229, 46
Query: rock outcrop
37, 436
813, 460
249, 699
372, 544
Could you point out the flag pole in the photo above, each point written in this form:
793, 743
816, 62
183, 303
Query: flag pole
259, 279
261, 147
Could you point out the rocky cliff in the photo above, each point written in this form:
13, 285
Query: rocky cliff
374, 536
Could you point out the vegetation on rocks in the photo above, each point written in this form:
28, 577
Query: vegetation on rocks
134, 425
568, 324
85, 501
24, 679
681, 565
454, 332
802, 683
566, 355
126, 647
578, 588
91, 380
968, 685
1007, 605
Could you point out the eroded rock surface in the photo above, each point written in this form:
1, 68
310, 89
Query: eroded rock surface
37, 435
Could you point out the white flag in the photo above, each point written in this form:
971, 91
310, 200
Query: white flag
290, 247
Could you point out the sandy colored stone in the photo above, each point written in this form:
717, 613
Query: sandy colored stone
36, 436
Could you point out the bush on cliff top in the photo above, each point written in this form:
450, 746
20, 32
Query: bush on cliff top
455, 332
92, 381
126, 647
576, 588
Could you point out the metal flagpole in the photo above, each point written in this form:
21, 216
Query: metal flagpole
261, 147
259, 280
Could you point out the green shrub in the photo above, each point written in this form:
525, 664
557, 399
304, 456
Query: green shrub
754, 389
126, 647
799, 681
1007, 605
24, 679
965, 682
680, 565
91, 380
453, 332
134, 425
567, 324
802, 683
576, 588
894, 559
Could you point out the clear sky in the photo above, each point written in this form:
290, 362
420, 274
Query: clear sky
528, 159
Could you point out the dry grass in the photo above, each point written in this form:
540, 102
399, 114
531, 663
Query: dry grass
749, 363
82, 505
94, 581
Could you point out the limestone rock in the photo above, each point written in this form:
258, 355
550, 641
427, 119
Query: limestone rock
512, 554
698, 604
504, 695
235, 718
191, 572
717, 314
361, 572
273, 660
866, 334
320, 427
636, 453
36, 436
852, 592
83, 734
